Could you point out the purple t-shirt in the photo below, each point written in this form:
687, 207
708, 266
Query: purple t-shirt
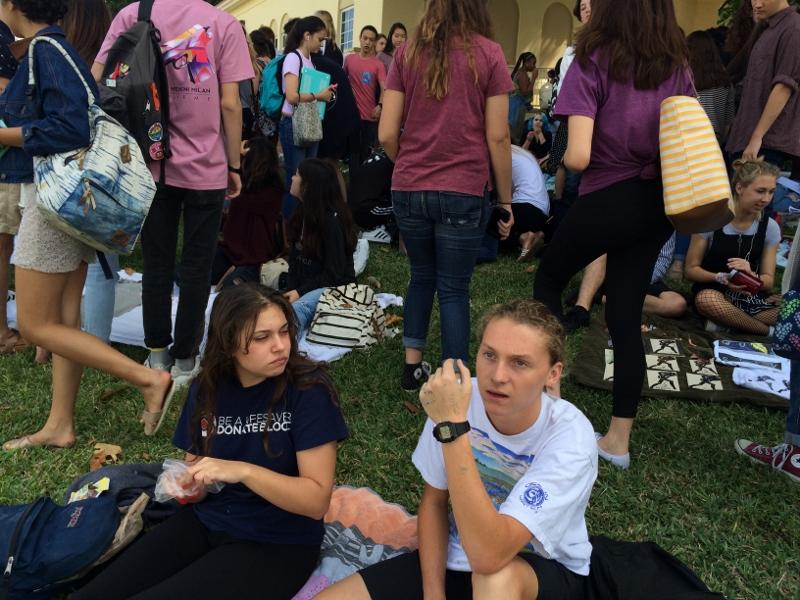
626, 121
443, 145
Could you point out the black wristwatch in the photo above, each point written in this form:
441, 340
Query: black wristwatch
447, 432
237, 170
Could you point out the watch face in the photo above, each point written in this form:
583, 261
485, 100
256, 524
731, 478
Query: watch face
445, 433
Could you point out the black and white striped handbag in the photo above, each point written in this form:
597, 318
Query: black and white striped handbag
347, 317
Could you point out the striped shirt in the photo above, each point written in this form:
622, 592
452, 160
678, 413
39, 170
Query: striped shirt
719, 104
664, 260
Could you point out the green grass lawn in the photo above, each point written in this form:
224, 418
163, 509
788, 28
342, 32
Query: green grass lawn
737, 525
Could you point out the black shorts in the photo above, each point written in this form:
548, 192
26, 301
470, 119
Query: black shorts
658, 288
400, 578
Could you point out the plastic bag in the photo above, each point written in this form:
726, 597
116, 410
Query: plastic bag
175, 483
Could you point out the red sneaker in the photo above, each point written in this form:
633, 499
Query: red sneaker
783, 457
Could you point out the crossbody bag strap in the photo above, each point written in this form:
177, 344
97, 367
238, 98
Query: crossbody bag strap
145, 10
67, 57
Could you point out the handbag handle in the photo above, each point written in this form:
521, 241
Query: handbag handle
67, 57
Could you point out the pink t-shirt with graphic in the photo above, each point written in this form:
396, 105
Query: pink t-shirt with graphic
203, 48
366, 76
443, 145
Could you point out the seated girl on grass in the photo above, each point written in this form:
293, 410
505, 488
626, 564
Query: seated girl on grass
264, 421
321, 236
748, 244
517, 483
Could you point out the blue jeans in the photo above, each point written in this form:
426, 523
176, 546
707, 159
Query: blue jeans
98, 298
442, 232
305, 307
292, 157
793, 418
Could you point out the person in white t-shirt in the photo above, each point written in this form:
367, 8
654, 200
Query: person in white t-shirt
518, 482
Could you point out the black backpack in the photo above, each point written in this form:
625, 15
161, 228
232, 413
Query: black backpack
135, 71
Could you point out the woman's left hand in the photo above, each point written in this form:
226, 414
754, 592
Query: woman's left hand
445, 396
213, 470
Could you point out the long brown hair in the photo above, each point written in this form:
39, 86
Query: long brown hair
639, 39
85, 26
320, 196
705, 61
442, 21
233, 322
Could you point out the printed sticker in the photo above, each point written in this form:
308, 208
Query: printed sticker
703, 381
663, 380
703, 366
662, 362
156, 132
664, 346
156, 151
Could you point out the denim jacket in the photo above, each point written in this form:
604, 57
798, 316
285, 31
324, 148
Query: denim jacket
53, 115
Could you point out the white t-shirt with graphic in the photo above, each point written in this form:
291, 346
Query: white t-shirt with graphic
542, 477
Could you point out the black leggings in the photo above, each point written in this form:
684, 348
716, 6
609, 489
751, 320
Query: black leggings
182, 559
626, 221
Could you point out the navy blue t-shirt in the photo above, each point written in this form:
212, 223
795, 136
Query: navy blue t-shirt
304, 419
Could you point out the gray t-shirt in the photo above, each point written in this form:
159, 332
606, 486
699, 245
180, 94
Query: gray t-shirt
772, 238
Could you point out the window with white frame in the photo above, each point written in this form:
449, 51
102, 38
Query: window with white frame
346, 27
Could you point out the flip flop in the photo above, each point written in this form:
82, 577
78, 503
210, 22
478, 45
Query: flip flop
13, 342
528, 251
154, 420
25, 441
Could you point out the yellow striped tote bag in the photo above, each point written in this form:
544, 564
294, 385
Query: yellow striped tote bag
697, 191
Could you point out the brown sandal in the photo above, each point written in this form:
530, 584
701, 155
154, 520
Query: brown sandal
13, 342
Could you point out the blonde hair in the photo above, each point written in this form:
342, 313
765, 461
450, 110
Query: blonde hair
327, 18
442, 21
533, 314
746, 172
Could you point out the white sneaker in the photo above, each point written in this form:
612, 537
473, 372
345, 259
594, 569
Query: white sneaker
183, 378
152, 363
379, 235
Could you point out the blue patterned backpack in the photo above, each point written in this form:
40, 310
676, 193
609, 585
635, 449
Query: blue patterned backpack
99, 194
786, 339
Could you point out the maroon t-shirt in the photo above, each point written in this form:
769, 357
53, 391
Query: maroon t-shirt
626, 121
443, 145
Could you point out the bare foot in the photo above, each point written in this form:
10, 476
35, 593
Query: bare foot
42, 356
42, 438
155, 392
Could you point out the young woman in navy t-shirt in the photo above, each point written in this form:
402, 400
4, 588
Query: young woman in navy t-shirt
264, 421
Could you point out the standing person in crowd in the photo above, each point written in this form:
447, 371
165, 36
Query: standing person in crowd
341, 126
10, 339
367, 77
522, 95
768, 118
380, 43
442, 173
51, 265
396, 38
85, 26
330, 49
304, 39
205, 124
322, 238
628, 58
260, 535
263, 40
714, 88
748, 244
248, 95
508, 472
